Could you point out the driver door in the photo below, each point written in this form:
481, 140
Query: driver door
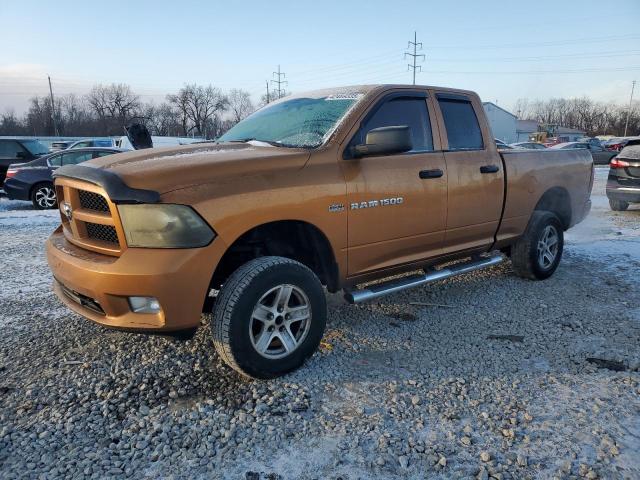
397, 204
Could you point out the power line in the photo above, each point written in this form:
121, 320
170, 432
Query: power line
414, 55
280, 82
626, 124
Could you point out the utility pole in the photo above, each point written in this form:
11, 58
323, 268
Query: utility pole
268, 99
53, 108
626, 124
280, 82
414, 55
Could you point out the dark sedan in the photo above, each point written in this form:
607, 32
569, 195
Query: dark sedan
599, 154
623, 184
33, 181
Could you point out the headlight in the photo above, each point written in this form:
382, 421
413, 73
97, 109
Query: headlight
164, 226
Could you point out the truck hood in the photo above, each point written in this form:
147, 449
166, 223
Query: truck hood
173, 168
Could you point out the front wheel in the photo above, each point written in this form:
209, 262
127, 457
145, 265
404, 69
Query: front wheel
43, 196
269, 317
537, 253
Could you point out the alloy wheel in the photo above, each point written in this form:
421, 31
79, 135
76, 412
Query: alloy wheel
45, 197
548, 246
280, 321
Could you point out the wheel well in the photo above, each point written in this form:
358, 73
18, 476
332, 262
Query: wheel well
557, 200
292, 239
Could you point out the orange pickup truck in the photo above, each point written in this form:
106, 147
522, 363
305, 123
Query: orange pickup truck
338, 189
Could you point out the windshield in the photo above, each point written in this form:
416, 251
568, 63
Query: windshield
35, 147
299, 122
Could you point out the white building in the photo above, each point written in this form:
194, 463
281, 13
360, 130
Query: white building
502, 122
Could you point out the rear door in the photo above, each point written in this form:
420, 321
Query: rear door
475, 172
396, 203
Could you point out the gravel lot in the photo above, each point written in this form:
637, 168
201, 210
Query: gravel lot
495, 382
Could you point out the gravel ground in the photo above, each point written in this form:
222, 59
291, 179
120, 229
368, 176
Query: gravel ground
494, 383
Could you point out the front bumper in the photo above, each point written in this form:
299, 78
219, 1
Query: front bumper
97, 286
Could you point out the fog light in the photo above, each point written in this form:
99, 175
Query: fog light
144, 304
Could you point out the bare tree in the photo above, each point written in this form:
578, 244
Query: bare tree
114, 105
163, 119
200, 106
240, 104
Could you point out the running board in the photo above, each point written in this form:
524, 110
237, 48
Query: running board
392, 286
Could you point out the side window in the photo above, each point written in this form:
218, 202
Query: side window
10, 149
75, 158
55, 161
410, 111
82, 145
103, 154
463, 129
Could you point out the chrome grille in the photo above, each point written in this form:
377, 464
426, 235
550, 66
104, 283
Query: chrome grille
104, 233
93, 201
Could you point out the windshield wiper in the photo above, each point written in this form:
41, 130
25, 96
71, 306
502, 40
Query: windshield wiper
270, 142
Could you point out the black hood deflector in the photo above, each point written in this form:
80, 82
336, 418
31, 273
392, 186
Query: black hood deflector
118, 191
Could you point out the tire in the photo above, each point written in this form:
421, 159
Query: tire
528, 256
253, 290
618, 205
43, 196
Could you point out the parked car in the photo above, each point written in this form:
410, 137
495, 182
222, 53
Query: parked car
501, 145
59, 145
33, 180
335, 187
14, 150
529, 145
623, 184
599, 154
614, 144
93, 142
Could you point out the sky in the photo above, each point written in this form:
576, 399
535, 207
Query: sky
504, 50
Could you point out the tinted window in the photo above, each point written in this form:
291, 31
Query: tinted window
35, 147
55, 161
10, 149
404, 111
463, 129
104, 154
74, 158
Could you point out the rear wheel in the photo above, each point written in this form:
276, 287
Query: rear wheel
43, 196
269, 317
537, 253
618, 205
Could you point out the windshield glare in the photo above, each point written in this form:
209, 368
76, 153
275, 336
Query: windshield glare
299, 122
35, 147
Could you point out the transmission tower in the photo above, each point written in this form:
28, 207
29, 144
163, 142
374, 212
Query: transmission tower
414, 55
279, 82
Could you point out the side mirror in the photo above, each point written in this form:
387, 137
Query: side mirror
385, 141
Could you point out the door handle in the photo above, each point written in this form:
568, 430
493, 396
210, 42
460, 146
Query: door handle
489, 169
435, 173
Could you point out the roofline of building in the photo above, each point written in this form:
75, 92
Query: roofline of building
500, 108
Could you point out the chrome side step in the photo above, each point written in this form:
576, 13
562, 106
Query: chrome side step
378, 290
